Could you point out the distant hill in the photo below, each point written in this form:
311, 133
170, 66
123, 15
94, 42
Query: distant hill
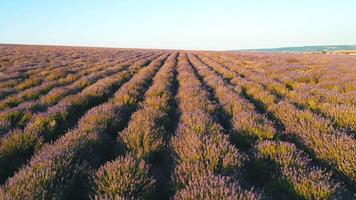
326, 48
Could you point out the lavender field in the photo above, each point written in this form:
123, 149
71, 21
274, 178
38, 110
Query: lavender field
101, 123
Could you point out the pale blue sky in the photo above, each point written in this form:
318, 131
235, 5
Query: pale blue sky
181, 24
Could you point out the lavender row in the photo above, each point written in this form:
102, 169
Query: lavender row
293, 172
18, 146
19, 116
206, 161
327, 73
20, 62
130, 174
308, 188
342, 114
39, 76
47, 71
35, 91
330, 146
36, 86
247, 124
87, 146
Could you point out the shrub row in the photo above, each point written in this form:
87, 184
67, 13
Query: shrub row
19, 116
146, 131
85, 147
310, 97
90, 77
35, 79
31, 60
330, 146
292, 171
44, 72
124, 178
144, 136
343, 115
31, 93
213, 187
50, 125
333, 147
333, 75
300, 180
247, 125
36, 86
201, 148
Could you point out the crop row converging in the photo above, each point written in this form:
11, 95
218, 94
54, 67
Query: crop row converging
96, 123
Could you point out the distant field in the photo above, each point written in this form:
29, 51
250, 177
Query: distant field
349, 52
101, 123
306, 49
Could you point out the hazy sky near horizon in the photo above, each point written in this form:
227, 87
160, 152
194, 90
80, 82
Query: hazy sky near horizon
179, 24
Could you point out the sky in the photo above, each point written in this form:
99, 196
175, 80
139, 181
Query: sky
179, 24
